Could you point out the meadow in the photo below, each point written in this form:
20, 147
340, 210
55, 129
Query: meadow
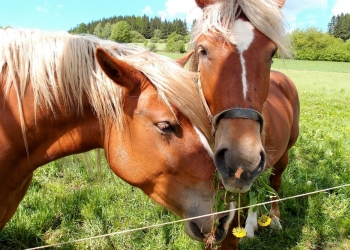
68, 200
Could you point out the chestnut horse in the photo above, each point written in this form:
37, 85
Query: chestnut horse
254, 111
147, 116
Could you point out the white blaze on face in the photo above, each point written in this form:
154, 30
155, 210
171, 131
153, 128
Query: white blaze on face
242, 36
204, 142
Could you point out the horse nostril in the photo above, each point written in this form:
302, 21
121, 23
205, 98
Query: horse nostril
261, 166
220, 162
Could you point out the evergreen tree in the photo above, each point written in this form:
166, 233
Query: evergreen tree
339, 26
138, 24
179, 27
145, 27
331, 25
165, 29
155, 24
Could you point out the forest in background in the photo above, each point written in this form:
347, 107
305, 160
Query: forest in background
144, 25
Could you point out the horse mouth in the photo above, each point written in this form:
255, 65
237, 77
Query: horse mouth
219, 234
222, 228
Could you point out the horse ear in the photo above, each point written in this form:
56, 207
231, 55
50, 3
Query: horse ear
281, 3
120, 72
204, 3
183, 60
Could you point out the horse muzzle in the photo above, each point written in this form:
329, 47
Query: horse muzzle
239, 155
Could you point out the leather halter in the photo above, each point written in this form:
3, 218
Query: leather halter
242, 113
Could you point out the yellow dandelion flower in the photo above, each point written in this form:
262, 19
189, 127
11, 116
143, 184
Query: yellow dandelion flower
239, 232
264, 220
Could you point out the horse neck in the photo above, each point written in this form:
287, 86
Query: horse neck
47, 135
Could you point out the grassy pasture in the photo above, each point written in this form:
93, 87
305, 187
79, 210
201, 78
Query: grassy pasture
68, 200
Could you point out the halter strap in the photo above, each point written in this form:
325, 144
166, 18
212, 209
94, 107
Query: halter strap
242, 113
205, 104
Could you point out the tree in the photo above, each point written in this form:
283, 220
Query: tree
138, 24
172, 36
157, 35
145, 27
107, 31
82, 29
98, 30
339, 26
313, 44
136, 37
179, 27
175, 43
121, 32
155, 24
175, 46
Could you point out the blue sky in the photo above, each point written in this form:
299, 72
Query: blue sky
55, 15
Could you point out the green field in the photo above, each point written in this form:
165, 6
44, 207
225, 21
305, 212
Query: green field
68, 201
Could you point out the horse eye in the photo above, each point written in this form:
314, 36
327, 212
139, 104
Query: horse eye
165, 127
201, 51
272, 55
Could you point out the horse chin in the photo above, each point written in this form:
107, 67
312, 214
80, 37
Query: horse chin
236, 186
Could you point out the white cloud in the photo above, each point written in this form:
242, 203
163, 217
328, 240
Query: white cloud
162, 15
41, 9
182, 9
294, 7
147, 10
341, 6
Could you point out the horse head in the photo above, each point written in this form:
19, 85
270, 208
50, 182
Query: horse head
234, 44
178, 170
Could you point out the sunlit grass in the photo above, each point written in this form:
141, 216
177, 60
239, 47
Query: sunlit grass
303, 65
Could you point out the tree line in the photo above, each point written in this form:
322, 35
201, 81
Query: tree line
339, 26
144, 25
137, 29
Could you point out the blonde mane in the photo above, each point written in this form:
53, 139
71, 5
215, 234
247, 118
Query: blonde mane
265, 15
62, 68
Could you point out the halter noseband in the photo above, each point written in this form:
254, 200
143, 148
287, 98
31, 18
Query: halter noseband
235, 113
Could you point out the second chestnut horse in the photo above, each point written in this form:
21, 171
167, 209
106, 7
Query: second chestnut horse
254, 111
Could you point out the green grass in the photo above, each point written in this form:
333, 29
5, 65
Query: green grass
303, 65
67, 201
159, 46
